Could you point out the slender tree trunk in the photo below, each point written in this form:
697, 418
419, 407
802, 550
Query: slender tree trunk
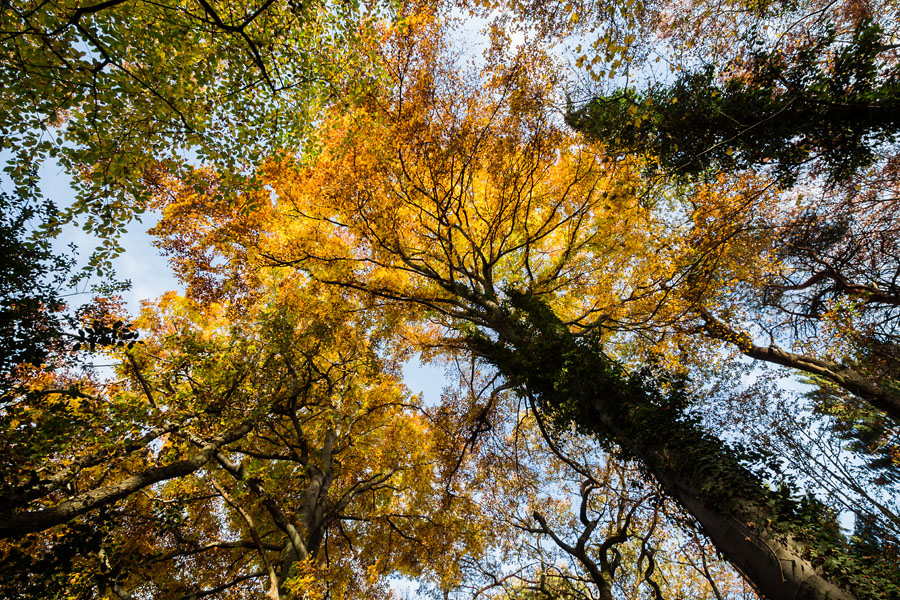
850, 379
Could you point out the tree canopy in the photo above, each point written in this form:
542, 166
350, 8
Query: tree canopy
345, 189
829, 100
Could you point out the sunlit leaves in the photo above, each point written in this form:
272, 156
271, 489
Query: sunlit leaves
113, 90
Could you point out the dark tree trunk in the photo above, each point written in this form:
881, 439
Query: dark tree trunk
763, 534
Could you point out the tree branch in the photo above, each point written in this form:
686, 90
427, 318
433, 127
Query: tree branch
14, 524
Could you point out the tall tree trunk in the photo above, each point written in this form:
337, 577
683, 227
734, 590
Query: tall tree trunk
773, 563
761, 533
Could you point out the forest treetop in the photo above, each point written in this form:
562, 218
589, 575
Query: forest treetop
255, 437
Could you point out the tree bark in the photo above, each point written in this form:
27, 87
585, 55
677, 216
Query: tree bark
773, 564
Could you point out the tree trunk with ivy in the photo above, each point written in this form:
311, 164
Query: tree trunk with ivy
788, 549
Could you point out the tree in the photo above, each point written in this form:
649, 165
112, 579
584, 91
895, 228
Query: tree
507, 220
30, 302
240, 444
259, 442
832, 101
818, 100
112, 90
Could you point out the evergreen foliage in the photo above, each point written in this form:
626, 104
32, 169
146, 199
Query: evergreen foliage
832, 102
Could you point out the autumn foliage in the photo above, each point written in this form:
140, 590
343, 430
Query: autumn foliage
600, 433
